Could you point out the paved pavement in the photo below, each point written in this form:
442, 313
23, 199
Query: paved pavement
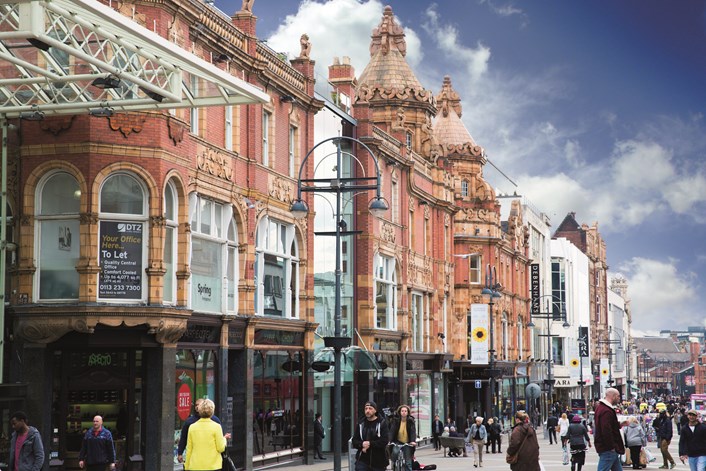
550, 455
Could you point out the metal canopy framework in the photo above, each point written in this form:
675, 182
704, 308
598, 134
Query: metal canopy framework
71, 56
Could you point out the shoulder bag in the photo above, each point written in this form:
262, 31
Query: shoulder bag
512, 459
228, 464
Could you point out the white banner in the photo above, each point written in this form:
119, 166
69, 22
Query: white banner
478, 334
574, 360
605, 373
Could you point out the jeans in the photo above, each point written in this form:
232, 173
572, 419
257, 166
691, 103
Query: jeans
698, 463
609, 461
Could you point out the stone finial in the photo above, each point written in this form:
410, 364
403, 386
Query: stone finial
388, 35
305, 45
247, 6
449, 98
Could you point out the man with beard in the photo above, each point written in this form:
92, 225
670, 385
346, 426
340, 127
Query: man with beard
370, 439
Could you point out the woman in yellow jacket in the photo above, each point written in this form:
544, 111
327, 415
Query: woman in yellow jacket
205, 441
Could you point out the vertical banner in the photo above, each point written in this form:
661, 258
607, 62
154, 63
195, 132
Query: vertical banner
479, 334
604, 373
574, 361
583, 342
534, 287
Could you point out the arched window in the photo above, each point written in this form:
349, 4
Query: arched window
385, 279
171, 214
57, 244
276, 269
213, 256
122, 247
464, 188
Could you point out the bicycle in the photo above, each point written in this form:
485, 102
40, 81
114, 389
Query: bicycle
400, 464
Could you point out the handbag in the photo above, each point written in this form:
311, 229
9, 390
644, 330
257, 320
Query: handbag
512, 459
643, 456
228, 464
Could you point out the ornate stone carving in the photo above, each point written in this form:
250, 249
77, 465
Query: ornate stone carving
387, 232
427, 212
388, 35
43, 332
399, 119
214, 163
176, 130
447, 219
411, 203
158, 221
26, 220
448, 98
127, 123
57, 125
88, 218
281, 190
247, 6
365, 93
169, 332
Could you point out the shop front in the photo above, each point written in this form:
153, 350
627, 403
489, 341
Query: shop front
387, 382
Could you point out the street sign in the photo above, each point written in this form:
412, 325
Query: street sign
478, 385
534, 287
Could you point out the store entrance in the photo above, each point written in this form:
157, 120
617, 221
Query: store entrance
106, 383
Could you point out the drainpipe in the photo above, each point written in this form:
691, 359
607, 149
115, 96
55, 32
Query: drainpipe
3, 241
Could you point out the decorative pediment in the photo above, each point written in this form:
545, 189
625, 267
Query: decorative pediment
215, 163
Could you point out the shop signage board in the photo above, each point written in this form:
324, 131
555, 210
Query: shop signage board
120, 258
478, 334
278, 337
534, 287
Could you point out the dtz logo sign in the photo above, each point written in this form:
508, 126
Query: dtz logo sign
124, 227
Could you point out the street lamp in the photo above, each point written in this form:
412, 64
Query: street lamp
492, 290
299, 209
557, 313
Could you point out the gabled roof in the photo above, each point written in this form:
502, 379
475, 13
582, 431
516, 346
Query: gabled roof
54, 54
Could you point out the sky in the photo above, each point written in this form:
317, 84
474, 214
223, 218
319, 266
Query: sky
593, 107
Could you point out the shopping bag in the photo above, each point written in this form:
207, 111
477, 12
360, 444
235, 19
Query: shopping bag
648, 453
643, 456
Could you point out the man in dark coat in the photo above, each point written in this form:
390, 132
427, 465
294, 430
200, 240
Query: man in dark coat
370, 439
552, 422
437, 428
319, 434
606, 432
692, 441
664, 435
195, 416
523, 443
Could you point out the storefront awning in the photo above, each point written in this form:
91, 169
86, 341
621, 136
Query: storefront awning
71, 56
353, 358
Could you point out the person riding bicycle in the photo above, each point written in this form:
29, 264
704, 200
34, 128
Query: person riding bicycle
403, 431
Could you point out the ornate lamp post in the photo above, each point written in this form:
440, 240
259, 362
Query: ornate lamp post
338, 185
492, 290
610, 342
557, 313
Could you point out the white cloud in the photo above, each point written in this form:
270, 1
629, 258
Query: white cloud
661, 293
330, 27
446, 37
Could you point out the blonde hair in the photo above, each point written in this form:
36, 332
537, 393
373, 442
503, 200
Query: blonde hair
563, 416
207, 408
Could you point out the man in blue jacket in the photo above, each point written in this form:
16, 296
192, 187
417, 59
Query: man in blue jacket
26, 448
97, 450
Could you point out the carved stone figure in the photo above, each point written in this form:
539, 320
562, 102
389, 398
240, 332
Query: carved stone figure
247, 5
305, 45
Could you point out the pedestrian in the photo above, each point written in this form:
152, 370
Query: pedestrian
319, 435
692, 442
577, 439
403, 431
206, 441
370, 439
185, 428
455, 451
563, 428
666, 431
523, 445
477, 437
494, 435
97, 448
606, 432
552, 423
26, 448
635, 439
437, 428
